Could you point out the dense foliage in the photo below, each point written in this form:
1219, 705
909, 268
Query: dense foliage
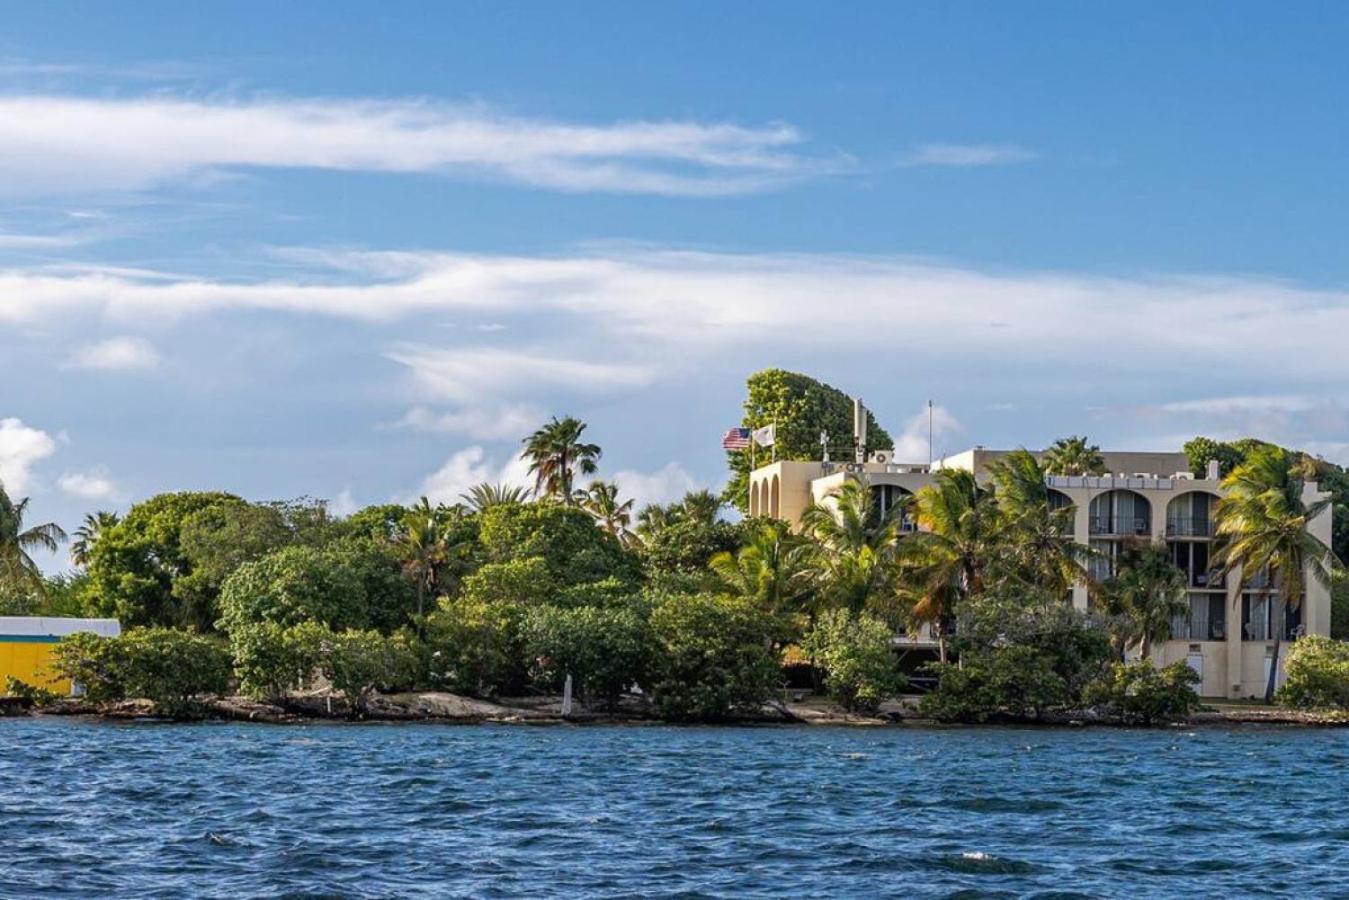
855, 654
1318, 674
1138, 693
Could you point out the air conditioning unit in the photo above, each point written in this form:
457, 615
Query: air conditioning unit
853, 468
883, 457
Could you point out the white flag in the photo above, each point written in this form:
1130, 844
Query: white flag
766, 436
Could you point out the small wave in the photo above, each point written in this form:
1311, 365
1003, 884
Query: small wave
976, 862
1010, 805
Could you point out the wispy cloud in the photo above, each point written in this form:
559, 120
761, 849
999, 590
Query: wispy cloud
510, 421
62, 144
469, 374
967, 155
117, 354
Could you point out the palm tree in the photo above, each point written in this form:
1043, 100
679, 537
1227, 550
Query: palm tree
613, 517
949, 556
1146, 594
95, 525
1036, 536
432, 558
1262, 527
1074, 456
701, 506
16, 565
486, 495
654, 518
773, 569
856, 546
556, 453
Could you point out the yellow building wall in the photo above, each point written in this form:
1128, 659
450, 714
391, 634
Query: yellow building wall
28, 661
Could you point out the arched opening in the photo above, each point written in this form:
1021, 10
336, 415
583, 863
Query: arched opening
886, 497
753, 498
775, 497
1191, 515
1120, 513
1059, 501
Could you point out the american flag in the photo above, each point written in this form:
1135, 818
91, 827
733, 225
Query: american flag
736, 439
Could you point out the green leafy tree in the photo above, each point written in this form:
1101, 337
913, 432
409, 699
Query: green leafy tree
88, 533
476, 646
1200, 451
606, 650
216, 540
712, 657
856, 548
948, 559
94, 663
1146, 594
293, 585
527, 582
167, 666
556, 454
357, 663
801, 408
136, 564
854, 651
575, 549
435, 552
270, 659
18, 540
1262, 526
1074, 456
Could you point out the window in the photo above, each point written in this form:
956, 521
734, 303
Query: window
1206, 621
1264, 615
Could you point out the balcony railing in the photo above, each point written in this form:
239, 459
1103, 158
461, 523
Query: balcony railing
1126, 525
1189, 527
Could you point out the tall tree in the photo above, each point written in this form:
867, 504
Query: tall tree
856, 547
1036, 535
432, 556
611, 515
1146, 593
949, 556
801, 408
17, 566
556, 453
1074, 456
1263, 527
87, 535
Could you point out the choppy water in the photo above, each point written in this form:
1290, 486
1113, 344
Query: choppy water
138, 810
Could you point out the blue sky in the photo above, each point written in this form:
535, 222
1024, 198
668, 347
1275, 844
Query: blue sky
355, 250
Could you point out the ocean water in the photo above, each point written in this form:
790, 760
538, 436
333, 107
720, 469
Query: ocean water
93, 809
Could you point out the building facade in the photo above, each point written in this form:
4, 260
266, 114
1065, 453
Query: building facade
27, 644
1228, 634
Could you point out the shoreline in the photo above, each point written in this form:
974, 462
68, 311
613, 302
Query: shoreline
441, 708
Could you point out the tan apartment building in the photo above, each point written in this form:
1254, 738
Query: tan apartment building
1227, 636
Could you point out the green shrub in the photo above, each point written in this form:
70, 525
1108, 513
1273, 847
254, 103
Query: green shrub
1005, 682
1317, 671
357, 663
605, 650
475, 646
171, 668
94, 663
712, 657
38, 696
608, 592
1137, 693
574, 548
270, 659
857, 658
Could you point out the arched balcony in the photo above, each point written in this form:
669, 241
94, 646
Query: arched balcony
887, 496
1190, 515
1120, 513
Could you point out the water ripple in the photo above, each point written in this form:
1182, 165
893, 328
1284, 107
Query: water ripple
225, 810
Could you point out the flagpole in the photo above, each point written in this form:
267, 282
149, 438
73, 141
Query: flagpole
775, 442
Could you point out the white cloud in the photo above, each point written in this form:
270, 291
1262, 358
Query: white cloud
467, 374
117, 354
665, 485
911, 444
466, 468
344, 504
21, 447
507, 422
967, 155
93, 485
65, 143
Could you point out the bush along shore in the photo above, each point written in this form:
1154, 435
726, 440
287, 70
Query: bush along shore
486, 608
